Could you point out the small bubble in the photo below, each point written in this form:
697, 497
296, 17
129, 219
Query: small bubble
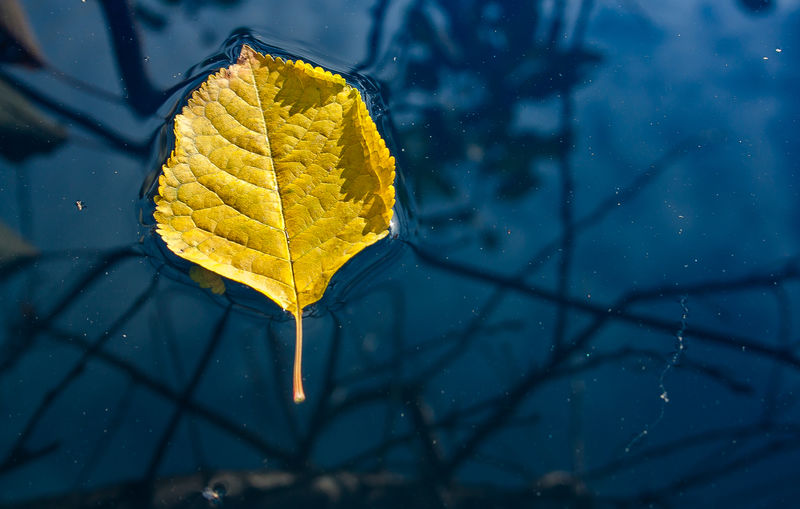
214, 494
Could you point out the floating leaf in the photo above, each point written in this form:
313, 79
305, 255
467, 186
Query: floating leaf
278, 178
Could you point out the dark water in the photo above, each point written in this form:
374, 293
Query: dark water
589, 301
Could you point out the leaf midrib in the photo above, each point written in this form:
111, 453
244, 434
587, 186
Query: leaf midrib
297, 311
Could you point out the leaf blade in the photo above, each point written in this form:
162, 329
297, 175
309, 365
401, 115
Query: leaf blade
279, 177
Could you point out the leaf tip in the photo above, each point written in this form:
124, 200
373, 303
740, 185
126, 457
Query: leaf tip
246, 54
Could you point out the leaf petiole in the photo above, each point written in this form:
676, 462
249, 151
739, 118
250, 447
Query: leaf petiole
299, 395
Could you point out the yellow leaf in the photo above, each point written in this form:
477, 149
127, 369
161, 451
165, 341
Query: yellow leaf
279, 176
207, 279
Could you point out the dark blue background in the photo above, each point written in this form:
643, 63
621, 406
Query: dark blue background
581, 183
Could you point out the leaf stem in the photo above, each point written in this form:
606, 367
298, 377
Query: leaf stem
299, 395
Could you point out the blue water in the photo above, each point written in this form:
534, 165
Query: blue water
593, 275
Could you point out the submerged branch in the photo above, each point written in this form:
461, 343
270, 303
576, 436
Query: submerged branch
212, 416
20, 445
619, 313
185, 398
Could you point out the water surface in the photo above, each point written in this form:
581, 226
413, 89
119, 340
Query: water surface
590, 294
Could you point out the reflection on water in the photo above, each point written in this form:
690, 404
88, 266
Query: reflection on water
588, 301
